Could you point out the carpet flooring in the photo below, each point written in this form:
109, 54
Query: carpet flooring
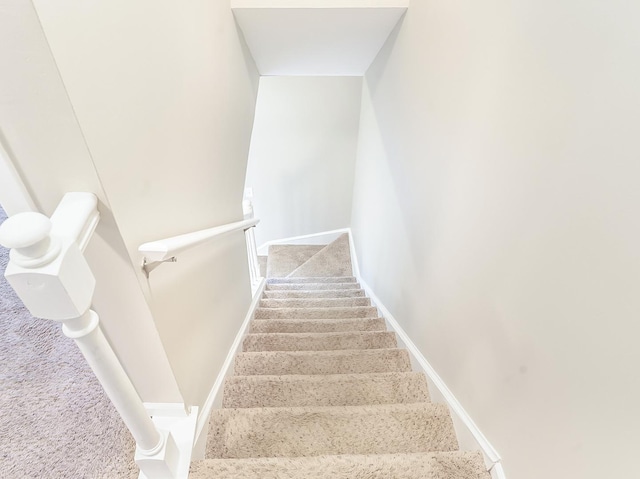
321, 389
56, 421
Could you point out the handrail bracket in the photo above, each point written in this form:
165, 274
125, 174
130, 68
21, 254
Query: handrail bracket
148, 267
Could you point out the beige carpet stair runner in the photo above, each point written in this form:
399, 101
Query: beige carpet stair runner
321, 390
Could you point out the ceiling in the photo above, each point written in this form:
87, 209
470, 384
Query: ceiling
316, 37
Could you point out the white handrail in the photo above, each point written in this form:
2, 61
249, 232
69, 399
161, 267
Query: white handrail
164, 249
76, 217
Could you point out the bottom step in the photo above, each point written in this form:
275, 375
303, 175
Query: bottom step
437, 465
319, 431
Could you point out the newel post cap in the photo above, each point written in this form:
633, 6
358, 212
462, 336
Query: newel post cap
29, 237
24, 230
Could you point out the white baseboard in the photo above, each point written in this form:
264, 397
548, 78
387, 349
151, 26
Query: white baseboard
497, 472
216, 391
173, 409
174, 419
355, 267
485, 446
323, 237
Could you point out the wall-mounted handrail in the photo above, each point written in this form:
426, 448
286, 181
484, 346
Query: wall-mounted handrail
167, 249
76, 217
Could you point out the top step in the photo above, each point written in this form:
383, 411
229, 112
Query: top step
320, 279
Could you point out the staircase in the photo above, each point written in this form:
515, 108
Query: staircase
321, 389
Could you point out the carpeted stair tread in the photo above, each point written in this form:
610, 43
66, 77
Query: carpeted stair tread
319, 341
329, 293
283, 259
314, 302
333, 260
325, 390
311, 286
313, 279
317, 325
429, 465
317, 313
361, 361
302, 432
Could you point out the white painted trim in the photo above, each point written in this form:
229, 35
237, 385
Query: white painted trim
497, 472
451, 400
76, 217
166, 409
171, 418
264, 246
203, 419
487, 448
355, 267
14, 196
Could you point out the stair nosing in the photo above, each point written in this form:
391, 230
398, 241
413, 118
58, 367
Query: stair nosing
334, 351
441, 408
320, 377
323, 334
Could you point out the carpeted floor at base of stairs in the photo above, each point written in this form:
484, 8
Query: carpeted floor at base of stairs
321, 389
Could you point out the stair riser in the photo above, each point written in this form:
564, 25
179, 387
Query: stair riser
319, 341
330, 293
315, 313
315, 303
317, 325
312, 286
240, 433
308, 363
311, 391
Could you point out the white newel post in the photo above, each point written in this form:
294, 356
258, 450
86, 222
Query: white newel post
48, 271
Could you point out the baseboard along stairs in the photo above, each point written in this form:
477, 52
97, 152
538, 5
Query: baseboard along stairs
321, 390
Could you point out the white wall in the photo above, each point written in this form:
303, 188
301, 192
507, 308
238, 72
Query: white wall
496, 215
14, 196
316, 40
164, 93
302, 156
43, 144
